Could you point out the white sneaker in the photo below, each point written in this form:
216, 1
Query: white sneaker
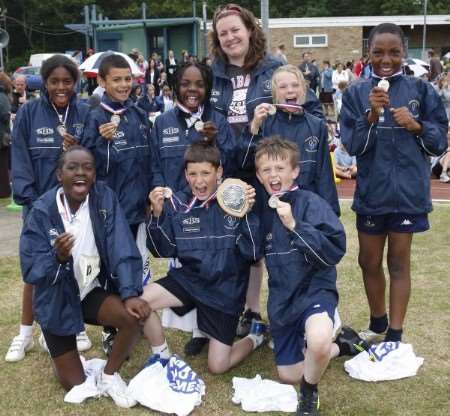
19, 346
115, 388
83, 341
43, 343
444, 177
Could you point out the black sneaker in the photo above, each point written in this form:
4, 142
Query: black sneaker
108, 336
245, 323
195, 346
309, 406
350, 343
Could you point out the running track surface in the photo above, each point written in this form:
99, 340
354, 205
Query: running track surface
439, 190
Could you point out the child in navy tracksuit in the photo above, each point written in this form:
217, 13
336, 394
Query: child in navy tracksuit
191, 119
213, 248
74, 239
118, 134
392, 129
303, 242
293, 123
43, 129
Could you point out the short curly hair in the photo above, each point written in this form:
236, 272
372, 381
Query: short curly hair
257, 45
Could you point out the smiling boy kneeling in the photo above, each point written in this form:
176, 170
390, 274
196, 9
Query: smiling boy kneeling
213, 248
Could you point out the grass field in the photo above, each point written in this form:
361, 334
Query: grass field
29, 387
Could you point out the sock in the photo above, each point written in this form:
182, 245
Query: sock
162, 350
196, 333
378, 324
307, 389
393, 335
107, 377
26, 331
256, 339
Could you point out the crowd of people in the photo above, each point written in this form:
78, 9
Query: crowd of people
148, 157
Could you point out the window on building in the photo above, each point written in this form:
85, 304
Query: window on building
310, 41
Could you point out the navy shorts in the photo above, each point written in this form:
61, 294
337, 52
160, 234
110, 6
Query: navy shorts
90, 306
396, 223
217, 324
289, 340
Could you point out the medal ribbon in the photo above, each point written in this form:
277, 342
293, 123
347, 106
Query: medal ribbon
281, 193
111, 110
60, 116
174, 199
297, 107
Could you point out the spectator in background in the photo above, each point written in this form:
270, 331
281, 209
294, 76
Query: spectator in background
162, 81
338, 96
171, 67
165, 100
19, 95
152, 75
280, 53
442, 87
150, 104
142, 65
184, 56
349, 70
326, 89
5, 138
310, 71
435, 65
136, 92
357, 69
344, 164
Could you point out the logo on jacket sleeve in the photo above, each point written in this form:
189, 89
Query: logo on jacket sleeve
414, 108
230, 222
78, 128
311, 144
268, 85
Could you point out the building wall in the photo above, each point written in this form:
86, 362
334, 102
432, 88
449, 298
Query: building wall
344, 43
133, 38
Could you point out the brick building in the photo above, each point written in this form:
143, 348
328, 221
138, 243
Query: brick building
345, 38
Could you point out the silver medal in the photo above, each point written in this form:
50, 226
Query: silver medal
61, 129
167, 193
272, 110
199, 126
115, 119
384, 85
273, 201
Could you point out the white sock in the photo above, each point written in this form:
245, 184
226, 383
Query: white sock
26, 331
162, 350
196, 333
256, 339
107, 377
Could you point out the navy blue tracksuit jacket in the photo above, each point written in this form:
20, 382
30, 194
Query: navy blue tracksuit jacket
56, 300
393, 164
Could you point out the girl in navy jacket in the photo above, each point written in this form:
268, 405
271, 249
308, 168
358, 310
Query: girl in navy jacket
295, 124
43, 128
74, 239
192, 119
392, 123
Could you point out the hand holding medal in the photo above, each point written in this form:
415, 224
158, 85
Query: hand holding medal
235, 197
284, 211
378, 99
208, 129
156, 198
